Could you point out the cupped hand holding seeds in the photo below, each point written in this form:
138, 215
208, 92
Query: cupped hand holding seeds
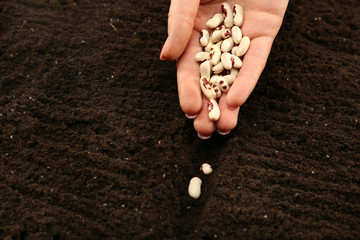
187, 18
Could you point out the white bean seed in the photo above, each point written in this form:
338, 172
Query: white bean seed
202, 56
215, 79
238, 15
217, 90
226, 61
243, 46
236, 61
236, 34
214, 110
209, 45
223, 85
205, 69
228, 15
219, 43
206, 169
195, 187
204, 37
207, 89
217, 34
230, 79
226, 33
227, 45
218, 68
215, 55
233, 50
215, 21
234, 71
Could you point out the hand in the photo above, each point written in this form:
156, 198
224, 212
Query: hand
262, 21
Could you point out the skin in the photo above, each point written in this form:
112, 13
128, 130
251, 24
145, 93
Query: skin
262, 21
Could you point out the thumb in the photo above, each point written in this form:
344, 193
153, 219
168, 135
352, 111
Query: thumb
180, 25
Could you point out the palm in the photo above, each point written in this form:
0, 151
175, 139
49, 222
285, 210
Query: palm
262, 20
261, 15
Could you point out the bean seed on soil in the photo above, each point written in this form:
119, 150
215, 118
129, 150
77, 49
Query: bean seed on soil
195, 187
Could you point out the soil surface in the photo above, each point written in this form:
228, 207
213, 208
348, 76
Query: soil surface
94, 144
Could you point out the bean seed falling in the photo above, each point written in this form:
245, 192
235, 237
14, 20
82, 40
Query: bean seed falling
223, 50
206, 169
195, 183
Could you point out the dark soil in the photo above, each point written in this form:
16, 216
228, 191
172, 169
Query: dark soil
94, 145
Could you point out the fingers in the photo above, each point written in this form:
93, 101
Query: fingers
253, 64
202, 124
227, 121
228, 118
188, 78
180, 25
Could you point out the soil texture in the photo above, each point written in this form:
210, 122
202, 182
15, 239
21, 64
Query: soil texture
94, 145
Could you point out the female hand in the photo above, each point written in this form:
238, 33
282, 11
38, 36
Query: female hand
262, 21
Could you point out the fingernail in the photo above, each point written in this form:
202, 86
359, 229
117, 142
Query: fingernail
190, 116
162, 51
203, 137
162, 55
222, 133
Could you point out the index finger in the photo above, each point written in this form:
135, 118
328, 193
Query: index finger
188, 77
